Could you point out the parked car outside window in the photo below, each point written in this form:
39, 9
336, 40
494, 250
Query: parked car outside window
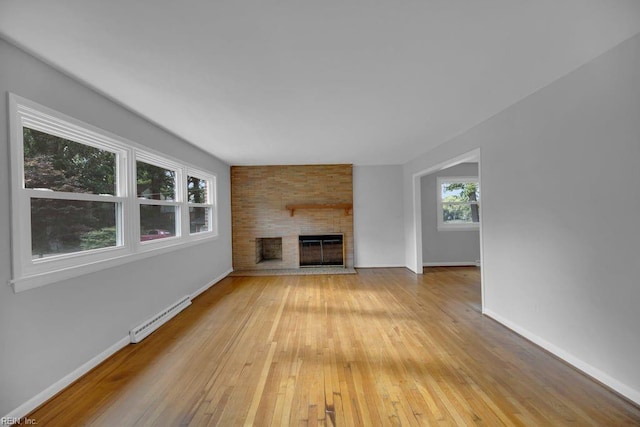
155, 234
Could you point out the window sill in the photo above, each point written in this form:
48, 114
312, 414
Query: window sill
33, 281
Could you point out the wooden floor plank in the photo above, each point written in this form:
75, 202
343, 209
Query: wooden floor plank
383, 347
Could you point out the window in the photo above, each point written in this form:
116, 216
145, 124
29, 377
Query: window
200, 201
71, 189
158, 202
83, 199
458, 203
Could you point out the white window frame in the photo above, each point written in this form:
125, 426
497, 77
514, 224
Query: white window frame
211, 203
28, 273
161, 162
442, 226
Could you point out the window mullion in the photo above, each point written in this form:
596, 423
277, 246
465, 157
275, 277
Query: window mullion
124, 188
184, 205
181, 211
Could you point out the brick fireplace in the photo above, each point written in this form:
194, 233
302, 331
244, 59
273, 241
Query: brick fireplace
272, 206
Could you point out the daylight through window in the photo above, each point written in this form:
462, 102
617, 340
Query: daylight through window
458, 203
83, 199
66, 183
200, 204
156, 188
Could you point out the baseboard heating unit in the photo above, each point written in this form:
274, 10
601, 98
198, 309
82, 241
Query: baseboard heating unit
140, 332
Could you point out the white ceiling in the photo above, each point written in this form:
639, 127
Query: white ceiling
331, 81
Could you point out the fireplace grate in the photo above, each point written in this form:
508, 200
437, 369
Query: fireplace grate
321, 250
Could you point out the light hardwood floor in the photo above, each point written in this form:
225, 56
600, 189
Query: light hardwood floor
383, 347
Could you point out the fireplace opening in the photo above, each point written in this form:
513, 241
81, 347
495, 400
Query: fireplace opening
320, 250
268, 249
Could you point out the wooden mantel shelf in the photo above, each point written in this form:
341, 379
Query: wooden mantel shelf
346, 206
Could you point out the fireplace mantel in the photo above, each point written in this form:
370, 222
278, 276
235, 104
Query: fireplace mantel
346, 206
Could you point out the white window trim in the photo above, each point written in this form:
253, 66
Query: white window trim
156, 160
28, 273
211, 204
442, 226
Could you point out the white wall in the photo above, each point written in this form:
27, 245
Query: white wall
377, 216
561, 243
46, 333
446, 246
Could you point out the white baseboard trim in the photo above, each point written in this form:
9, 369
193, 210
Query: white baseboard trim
31, 404
626, 391
211, 283
27, 407
452, 264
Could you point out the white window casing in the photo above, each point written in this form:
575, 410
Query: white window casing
441, 224
30, 273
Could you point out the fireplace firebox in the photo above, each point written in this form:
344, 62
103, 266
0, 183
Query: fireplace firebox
268, 249
321, 250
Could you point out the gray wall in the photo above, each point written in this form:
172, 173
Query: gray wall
447, 246
377, 216
46, 333
561, 243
